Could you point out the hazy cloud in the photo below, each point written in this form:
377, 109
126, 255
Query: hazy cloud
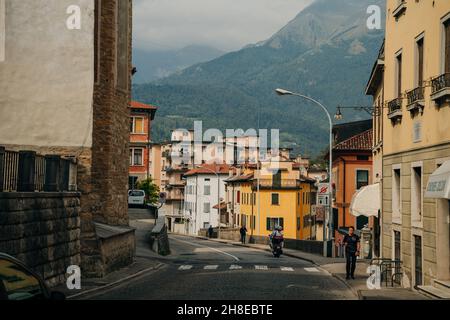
224, 24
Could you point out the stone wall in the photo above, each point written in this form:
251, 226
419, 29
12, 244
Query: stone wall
42, 230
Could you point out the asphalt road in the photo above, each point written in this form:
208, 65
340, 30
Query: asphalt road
204, 270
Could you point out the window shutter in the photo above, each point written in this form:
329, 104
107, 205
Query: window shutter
447, 46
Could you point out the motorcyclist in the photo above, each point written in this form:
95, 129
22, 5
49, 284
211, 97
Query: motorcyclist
276, 237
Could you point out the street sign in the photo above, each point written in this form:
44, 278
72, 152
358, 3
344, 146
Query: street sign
323, 189
323, 200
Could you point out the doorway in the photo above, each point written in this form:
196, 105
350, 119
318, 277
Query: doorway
418, 260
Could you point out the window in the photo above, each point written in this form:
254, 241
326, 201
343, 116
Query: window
447, 45
275, 199
137, 125
362, 178
420, 43
271, 223
298, 223
206, 207
399, 76
18, 283
123, 72
207, 190
2, 30
416, 194
362, 158
136, 157
396, 197
397, 247
417, 131
132, 182
238, 197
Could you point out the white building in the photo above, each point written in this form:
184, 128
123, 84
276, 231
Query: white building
205, 188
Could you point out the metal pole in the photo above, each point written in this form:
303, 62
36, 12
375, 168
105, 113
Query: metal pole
330, 170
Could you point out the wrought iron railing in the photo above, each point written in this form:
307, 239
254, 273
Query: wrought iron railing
415, 95
390, 270
440, 82
395, 105
274, 184
26, 171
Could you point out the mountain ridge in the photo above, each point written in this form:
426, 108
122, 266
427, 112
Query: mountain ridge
331, 62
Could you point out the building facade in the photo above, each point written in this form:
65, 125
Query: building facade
141, 147
65, 81
416, 139
205, 188
352, 170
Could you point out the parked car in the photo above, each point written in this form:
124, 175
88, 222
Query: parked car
18, 282
136, 198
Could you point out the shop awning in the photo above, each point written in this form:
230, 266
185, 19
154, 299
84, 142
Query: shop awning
367, 201
439, 183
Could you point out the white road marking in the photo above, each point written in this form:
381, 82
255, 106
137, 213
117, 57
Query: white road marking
312, 269
198, 245
287, 269
261, 268
235, 267
213, 267
185, 267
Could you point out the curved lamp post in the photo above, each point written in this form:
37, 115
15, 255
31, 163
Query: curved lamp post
283, 92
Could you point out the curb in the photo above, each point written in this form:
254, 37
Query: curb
115, 283
357, 293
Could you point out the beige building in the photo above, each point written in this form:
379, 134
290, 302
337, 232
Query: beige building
416, 142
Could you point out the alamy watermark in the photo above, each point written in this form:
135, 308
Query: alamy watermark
236, 146
74, 278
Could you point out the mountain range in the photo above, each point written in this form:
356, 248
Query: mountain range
325, 52
153, 65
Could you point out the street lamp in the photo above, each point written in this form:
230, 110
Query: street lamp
283, 92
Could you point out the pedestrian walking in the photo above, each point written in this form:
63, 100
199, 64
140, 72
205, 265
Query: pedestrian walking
243, 232
352, 246
210, 231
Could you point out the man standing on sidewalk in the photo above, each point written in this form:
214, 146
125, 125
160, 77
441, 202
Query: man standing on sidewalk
243, 232
352, 245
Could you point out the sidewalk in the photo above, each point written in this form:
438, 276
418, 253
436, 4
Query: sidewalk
336, 267
145, 261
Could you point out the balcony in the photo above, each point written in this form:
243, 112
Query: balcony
440, 89
276, 185
416, 100
395, 109
400, 10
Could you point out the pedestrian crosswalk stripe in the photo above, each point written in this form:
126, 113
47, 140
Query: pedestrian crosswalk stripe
312, 269
235, 267
287, 269
261, 268
185, 267
213, 267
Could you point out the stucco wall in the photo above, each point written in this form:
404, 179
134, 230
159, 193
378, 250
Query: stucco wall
46, 80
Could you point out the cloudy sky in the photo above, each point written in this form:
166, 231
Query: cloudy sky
224, 24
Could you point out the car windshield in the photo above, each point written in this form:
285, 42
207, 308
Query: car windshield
136, 193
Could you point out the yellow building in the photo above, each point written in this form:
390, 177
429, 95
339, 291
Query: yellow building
416, 140
285, 199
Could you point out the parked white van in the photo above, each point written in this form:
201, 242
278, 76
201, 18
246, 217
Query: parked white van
136, 198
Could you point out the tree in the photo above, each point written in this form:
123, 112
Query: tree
151, 190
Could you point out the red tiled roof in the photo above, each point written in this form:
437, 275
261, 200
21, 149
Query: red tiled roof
140, 105
209, 169
362, 141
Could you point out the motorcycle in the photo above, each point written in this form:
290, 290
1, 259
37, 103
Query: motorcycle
276, 246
